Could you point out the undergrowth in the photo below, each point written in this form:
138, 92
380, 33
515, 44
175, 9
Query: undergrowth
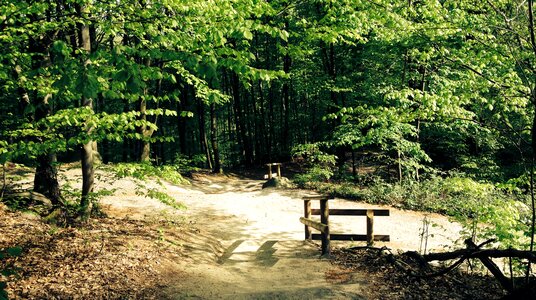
141, 172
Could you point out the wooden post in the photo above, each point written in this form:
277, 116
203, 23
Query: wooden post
269, 171
324, 219
370, 227
307, 214
279, 170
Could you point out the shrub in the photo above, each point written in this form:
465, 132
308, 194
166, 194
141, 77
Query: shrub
145, 171
320, 165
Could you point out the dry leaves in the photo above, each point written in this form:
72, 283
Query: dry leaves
107, 259
391, 283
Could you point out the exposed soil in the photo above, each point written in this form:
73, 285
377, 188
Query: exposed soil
234, 241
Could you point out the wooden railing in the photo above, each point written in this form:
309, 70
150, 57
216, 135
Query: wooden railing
323, 226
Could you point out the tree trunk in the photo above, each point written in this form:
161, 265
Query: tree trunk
332, 72
256, 125
241, 122
418, 137
533, 94
202, 133
46, 178
182, 121
262, 126
87, 149
286, 99
399, 162
46, 174
216, 168
144, 145
145, 132
125, 147
354, 169
271, 122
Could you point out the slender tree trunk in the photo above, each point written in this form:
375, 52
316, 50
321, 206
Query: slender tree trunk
264, 134
286, 99
202, 132
241, 122
216, 168
314, 124
354, 169
399, 162
125, 148
271, 122
145, 132
418, 138
87, 149
182, 120
332, 72
145, 145
533, 94
256, 125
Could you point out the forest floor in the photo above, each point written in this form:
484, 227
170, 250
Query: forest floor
234, 241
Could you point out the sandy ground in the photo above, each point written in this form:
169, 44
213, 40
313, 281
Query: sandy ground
250, 243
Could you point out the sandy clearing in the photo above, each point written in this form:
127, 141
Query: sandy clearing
250, 243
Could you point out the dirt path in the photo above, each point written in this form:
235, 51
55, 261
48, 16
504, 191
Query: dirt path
249, 243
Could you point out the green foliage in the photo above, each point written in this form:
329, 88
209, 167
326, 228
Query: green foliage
164, 198
430, 86
319, 164
185, 43
145, 171
389, 129
183, 163
313, 174
311, 154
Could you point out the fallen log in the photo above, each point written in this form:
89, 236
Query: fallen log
477, 253
484, 255
492, 267
472, 251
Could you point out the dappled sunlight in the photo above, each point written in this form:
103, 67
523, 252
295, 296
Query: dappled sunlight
258, 247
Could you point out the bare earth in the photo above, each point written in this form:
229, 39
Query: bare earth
249, 244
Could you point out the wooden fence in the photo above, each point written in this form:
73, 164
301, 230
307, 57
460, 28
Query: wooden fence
323, 226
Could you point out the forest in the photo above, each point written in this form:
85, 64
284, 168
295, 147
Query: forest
421, 104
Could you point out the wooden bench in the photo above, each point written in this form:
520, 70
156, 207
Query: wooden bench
270, 169
323, 226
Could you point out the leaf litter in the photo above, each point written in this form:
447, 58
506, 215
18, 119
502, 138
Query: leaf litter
106, 259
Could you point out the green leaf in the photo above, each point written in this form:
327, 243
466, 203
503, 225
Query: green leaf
248, 35
14, 251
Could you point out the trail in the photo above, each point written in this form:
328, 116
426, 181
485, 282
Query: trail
250, 243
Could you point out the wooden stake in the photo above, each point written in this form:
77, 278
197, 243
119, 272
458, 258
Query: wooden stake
370, 227
324, 219
307, 214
